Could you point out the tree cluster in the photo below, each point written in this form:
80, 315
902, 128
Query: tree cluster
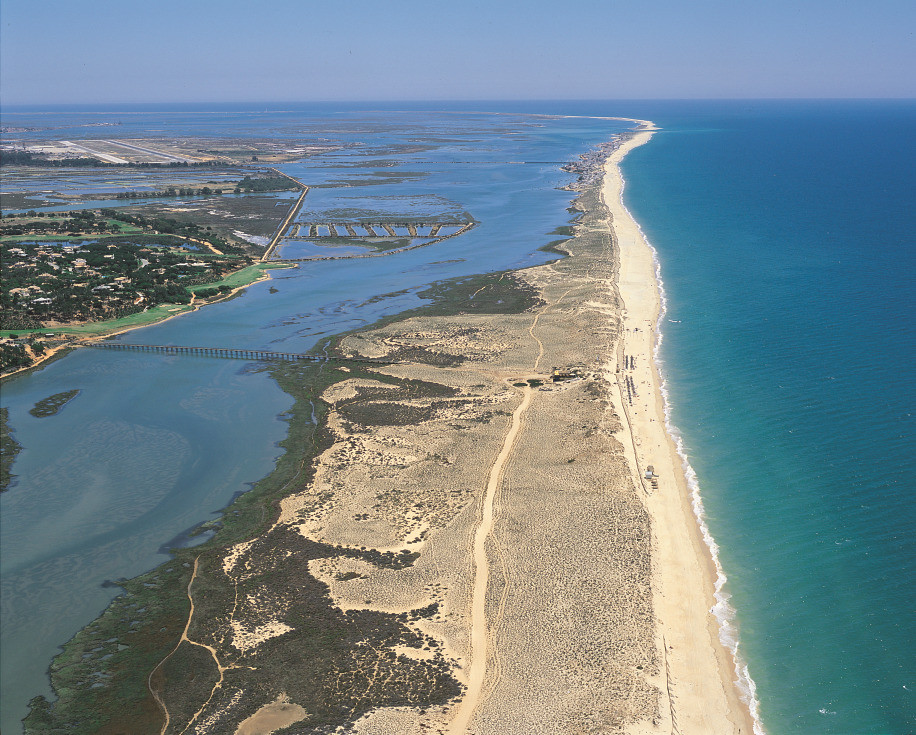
80, 222
26, 158
97, 281
170, 192
264, 183
13, 356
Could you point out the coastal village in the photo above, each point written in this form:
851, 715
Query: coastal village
49, 285
94, 281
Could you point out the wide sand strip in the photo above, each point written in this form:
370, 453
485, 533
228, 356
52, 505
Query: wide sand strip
574, 596
562, 590
703, 697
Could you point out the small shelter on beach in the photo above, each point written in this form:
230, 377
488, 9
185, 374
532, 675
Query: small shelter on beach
560, 374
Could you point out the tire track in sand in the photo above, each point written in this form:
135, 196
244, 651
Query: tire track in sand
504, 488
479, 631
480, 634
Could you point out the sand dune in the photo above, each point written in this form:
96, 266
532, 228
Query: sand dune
564, 590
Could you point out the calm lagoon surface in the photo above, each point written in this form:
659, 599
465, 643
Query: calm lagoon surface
154, 445
784, 232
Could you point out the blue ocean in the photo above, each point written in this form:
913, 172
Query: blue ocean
785, 237
785, 233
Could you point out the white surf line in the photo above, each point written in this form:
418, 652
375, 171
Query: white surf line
479, 631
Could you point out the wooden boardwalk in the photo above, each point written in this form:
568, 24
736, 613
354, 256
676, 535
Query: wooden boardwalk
233, 353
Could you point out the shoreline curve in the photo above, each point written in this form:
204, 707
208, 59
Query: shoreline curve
695, 622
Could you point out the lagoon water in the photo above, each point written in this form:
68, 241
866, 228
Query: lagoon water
785, 237
153, 445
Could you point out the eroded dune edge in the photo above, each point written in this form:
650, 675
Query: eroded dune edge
467, 542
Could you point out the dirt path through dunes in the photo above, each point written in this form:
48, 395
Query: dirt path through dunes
534, 337
479, 630
184, 639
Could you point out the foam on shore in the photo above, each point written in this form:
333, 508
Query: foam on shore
723, 611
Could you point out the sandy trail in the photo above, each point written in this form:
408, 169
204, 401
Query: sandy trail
184, 639
479, 629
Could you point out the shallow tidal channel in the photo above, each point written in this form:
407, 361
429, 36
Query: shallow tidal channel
152, 446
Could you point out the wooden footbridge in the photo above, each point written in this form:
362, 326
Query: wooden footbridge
232, 353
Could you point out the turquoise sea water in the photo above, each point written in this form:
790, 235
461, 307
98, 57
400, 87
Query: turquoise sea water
784, 232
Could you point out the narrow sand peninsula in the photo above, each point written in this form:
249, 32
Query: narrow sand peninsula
701, 693
479, 532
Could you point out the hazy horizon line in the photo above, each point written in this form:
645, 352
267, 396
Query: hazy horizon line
11, 106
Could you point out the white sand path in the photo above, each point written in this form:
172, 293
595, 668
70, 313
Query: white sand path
479, 630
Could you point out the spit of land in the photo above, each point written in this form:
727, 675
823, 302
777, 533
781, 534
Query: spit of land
470, 541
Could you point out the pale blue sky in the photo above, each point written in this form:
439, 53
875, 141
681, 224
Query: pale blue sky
101, 51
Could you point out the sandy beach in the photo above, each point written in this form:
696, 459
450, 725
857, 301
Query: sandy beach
701, 672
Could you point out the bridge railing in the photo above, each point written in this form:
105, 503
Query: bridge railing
238, 353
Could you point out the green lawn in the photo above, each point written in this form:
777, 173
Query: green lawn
145, 318
242, 277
